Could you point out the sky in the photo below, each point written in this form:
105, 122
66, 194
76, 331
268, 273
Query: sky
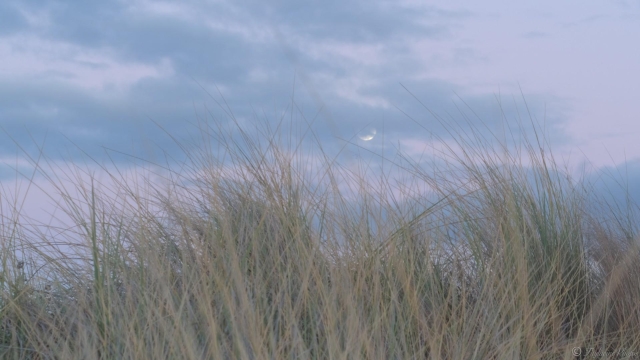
79, 78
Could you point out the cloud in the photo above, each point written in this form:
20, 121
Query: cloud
11, 20
618, 185
535, 34
30, 58
97, 72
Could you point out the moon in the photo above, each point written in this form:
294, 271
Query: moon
367, 134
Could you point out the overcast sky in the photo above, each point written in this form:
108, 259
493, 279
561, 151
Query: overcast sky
94, 73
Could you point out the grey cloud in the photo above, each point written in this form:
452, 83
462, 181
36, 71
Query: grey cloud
438, 105
11, 20
86, 23
226, 58
97, 24
170, 102
535, 35
353, 20
57, 112
619, 185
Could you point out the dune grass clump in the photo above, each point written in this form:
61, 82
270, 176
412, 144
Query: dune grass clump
261, 256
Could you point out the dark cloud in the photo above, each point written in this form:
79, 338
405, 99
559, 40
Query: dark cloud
151, 37
66, 116
252, 37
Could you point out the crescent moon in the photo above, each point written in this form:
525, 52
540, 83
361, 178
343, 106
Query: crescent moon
368, 134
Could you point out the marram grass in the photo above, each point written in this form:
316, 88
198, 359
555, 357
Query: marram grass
508, 262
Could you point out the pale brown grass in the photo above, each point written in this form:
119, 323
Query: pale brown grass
508, 263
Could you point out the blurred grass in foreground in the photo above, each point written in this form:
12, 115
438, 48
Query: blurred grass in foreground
509, 262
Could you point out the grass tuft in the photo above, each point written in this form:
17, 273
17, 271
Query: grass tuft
261, 256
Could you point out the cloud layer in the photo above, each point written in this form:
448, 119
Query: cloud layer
94, 74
